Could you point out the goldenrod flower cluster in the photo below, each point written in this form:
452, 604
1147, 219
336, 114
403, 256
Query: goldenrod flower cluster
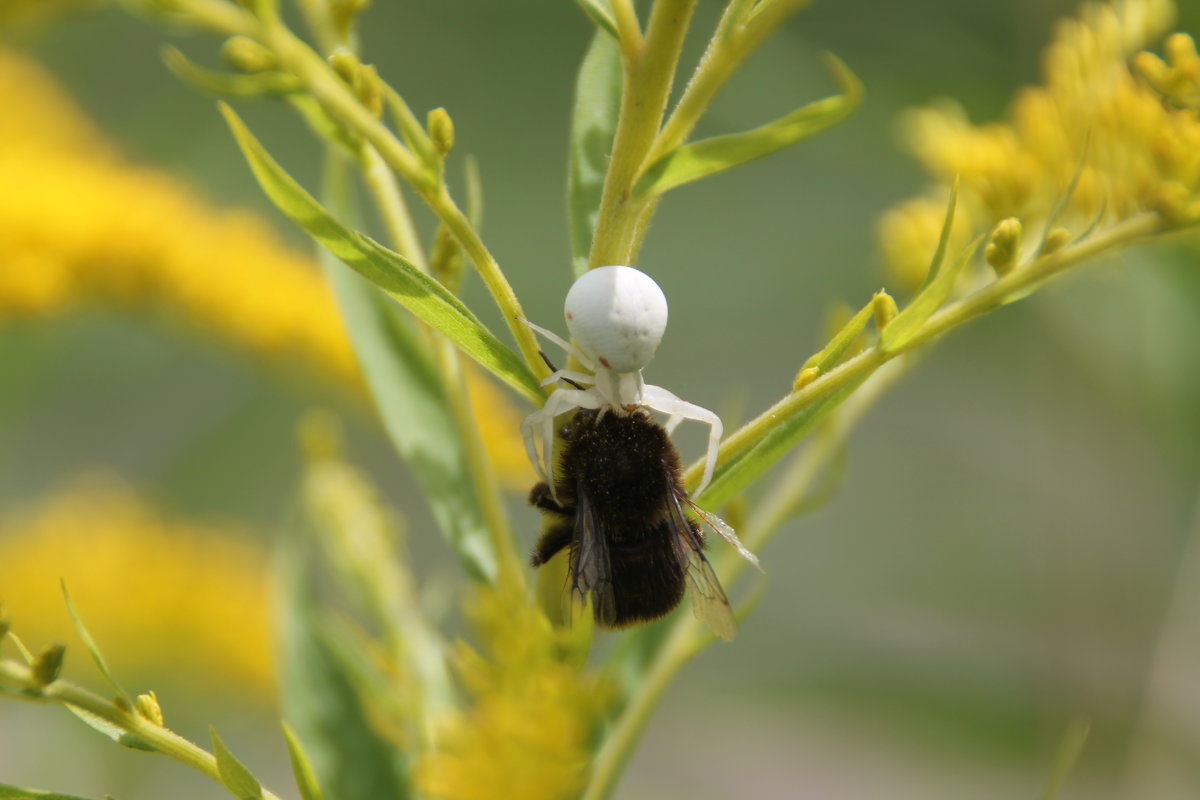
1129, 134
78, 223
533, 709
160, 596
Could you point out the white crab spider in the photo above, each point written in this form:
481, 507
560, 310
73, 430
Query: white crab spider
617, 315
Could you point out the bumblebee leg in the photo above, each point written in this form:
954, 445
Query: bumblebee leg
541, 497
553, 540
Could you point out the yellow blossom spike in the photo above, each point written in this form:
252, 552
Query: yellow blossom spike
175, 252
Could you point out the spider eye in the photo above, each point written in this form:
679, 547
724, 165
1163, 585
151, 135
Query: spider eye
618, 315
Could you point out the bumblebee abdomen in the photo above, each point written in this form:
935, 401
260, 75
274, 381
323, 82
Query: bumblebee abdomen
647, 581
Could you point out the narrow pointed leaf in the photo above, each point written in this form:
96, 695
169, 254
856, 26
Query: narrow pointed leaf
410, 400
939, 254
832, 353
1069, 750
302, 770
901, 329
234, 774
427, 299
416, 414
225, 84
110, 730
691, 162
14, 793
323, 702
599, 15
593, 125
93, 648
733, 477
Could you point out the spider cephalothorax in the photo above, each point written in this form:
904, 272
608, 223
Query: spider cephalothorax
617, 316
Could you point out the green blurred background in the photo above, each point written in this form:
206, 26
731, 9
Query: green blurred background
1014, 521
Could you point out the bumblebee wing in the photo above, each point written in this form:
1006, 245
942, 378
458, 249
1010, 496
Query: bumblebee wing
709, 603
591, 568
726, 532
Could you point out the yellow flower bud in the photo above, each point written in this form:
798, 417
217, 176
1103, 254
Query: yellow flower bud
1004, 245
441, 130
884, 309
246, 55
1056, 240
148, 708
346, 65
805, 377
48, 664
362, 78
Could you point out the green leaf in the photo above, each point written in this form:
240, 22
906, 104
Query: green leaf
224, 84
832, 353
691, 162
416, 415
1069, 751
411, 402
906, 324
323, 702
427, 299
306, 778
93, 648
731, 478
939, 254
599, 15
14, 793
237, 779
593, 126
110, 730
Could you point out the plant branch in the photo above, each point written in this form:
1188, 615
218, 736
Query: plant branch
985, 299
20, 678
647, 84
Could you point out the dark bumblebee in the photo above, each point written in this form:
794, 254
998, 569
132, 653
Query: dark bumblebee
620, 511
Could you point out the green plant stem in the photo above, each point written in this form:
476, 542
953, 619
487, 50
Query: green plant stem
389, 199
19, 677
386, 193
735, 38
780, 503
483, 477
619, 743
985, 299
628, 29
688, 637
649, 74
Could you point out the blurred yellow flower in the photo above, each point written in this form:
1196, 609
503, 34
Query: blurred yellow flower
81, 224
1133, 148
162, 597
533, 708
84, 225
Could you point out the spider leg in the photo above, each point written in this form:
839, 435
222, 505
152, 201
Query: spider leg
559, 402
570, 375
659, 399
561, 342
528, 425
